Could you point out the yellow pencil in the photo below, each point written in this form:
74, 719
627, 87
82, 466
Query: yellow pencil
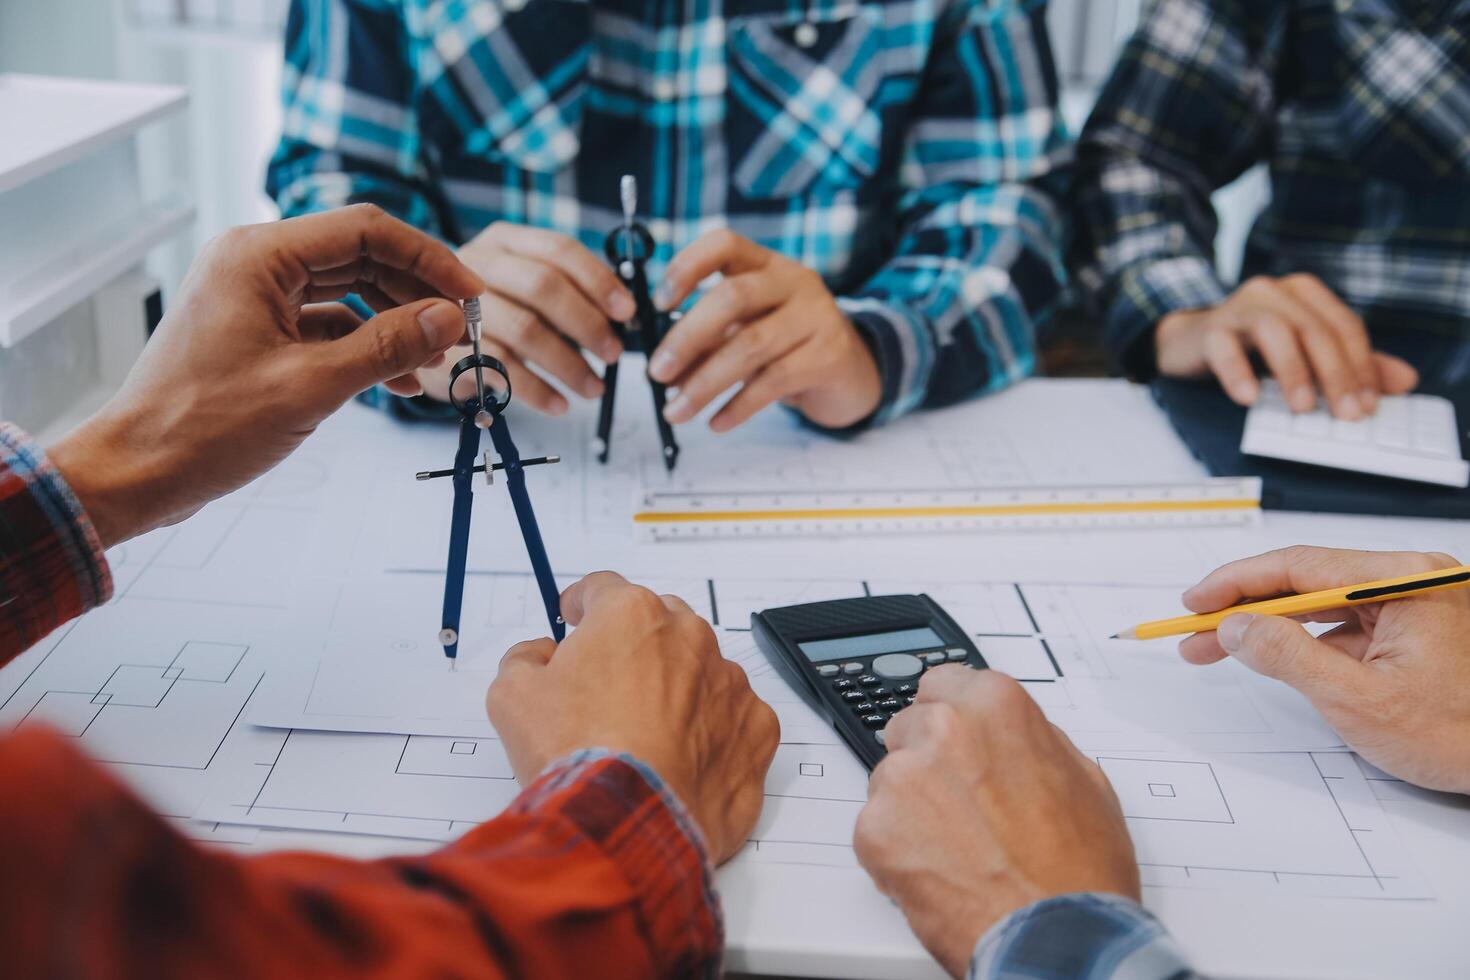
1312, 602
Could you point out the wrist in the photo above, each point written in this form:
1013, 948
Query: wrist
109, 480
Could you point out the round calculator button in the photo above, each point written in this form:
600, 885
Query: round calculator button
827, 670
898, 666
852, 668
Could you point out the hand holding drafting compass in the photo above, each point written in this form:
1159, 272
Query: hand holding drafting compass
482, 408
629, 248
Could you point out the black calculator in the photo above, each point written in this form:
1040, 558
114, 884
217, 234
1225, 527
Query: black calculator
858, 661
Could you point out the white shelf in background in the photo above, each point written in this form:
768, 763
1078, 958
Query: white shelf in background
50, 122
55, 281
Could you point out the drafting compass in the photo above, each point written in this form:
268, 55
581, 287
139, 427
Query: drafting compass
480, 408
629, 248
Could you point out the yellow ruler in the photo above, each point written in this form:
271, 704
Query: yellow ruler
673, 515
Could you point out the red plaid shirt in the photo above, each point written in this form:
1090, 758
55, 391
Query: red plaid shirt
595, 869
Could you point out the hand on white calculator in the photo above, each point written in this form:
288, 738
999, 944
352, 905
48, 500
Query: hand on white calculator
1411, 437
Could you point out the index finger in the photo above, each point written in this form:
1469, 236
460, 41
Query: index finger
588, 273
721, 250
365, 233
1297, 570
583, 596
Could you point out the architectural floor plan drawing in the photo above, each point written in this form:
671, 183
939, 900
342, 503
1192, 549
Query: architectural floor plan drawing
378, 668
1296, 822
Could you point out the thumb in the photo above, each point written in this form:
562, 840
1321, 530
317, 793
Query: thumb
1284, 650
394, 343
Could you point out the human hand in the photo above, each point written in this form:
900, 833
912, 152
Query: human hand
642, 674
983, 807
251, 358
1393, 678
547, 293
770, 326
1308, 338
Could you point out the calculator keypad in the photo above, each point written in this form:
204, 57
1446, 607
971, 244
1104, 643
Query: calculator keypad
876, 692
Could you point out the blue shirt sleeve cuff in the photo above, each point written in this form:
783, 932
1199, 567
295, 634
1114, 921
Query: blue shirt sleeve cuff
1086, 936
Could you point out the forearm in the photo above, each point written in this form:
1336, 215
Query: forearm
1082, 936
51, 564
592, 864
1177, 120
956, 312
978, 263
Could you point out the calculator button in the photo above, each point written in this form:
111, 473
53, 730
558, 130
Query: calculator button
843, 684
852, 668
905, 689
864, 707
957, 653
868, 680
898, 666
875, 721
909, 699
827, 670
890, 704
878, 693
936, 657
881, 737
854, 697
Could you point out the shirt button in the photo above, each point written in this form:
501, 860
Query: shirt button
663, 89
805, 35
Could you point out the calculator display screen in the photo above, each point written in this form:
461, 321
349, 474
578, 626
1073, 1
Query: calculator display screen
848, 647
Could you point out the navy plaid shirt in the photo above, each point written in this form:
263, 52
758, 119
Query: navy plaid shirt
1362, 110
904, 149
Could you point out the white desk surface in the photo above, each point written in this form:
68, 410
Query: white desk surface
830, 922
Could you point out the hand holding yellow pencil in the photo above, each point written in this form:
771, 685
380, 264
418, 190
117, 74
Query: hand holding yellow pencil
1392, 676
1306, 604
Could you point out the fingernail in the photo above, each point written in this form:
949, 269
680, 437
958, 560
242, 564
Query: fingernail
1246, 392
1231, 633
610, 351
591, 388
621, 304
1303, 400
1349, 408
1370, 401
442, 324
557, 406
663, 297
662, 366
677, 410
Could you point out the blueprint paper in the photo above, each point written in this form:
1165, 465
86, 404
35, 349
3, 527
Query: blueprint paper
1281, 823
377, 667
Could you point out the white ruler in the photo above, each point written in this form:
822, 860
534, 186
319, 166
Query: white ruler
669, 515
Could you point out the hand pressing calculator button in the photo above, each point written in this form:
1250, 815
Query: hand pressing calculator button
858, 661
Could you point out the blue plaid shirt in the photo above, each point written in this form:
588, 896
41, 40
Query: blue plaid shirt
904, 149
1080, 937
1361, 108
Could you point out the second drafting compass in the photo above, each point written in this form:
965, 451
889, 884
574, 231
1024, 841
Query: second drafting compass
483, 407
628, 248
